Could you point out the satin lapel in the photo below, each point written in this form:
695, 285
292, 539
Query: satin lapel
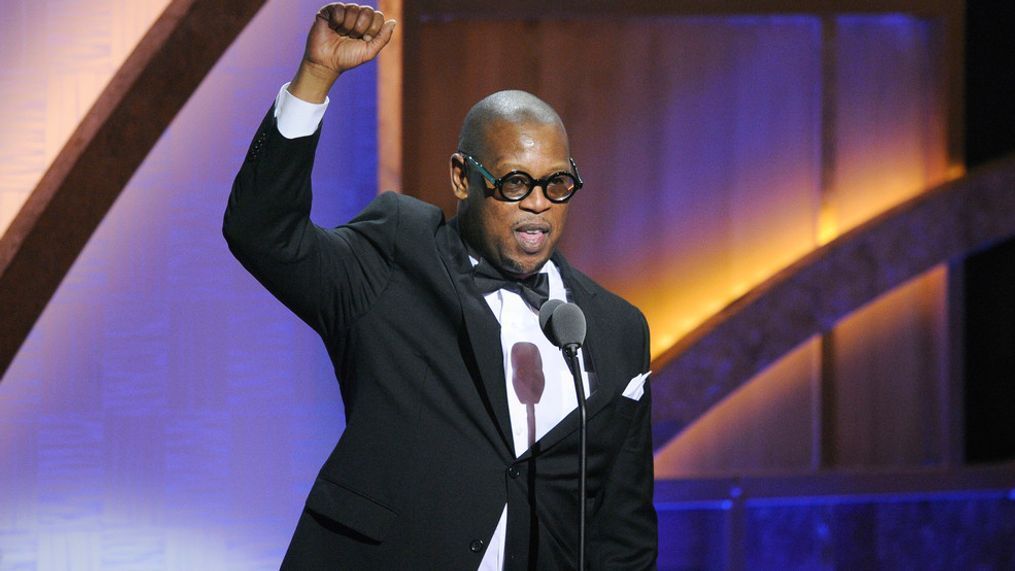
596, 342
482, 329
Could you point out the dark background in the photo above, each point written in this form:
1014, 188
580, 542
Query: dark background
990, 275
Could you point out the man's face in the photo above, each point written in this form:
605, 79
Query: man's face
517, 237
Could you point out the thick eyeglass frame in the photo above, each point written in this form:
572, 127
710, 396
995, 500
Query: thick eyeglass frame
498, 183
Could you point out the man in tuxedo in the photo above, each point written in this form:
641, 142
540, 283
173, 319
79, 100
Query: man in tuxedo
461, 443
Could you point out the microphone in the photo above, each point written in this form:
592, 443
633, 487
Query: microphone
563, 324
545, 315
568, 324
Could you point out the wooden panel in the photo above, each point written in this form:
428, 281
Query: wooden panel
887, 379
390, 81
886, 365
890, 135
615, 8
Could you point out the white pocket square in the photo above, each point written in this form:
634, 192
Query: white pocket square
636, 386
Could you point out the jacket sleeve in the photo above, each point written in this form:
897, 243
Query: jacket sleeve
628, 533
327, 277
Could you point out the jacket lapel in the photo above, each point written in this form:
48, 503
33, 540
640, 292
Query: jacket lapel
582, 293
481, 327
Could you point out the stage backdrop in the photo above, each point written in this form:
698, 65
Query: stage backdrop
166, 412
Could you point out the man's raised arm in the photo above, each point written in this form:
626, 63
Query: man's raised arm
267, 222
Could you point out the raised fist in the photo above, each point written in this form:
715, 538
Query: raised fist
342, 37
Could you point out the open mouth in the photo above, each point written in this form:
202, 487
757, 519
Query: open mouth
532, 236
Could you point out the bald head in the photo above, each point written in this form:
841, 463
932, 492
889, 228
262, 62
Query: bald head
512, 107
510, 132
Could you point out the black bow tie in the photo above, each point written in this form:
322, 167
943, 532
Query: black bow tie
535, 289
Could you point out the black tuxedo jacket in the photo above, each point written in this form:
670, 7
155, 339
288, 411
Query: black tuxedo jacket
426, 463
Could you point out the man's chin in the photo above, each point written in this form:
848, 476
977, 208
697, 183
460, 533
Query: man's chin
521, 268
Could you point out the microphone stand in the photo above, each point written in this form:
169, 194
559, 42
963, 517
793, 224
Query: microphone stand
565, 326
571, 357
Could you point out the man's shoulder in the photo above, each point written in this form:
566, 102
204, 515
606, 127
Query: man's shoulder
395, 205
411, 205
619, 322
396, 225
613, 302
404, 213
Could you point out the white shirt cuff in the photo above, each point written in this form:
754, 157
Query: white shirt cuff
295, 117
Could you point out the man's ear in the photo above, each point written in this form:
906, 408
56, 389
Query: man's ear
459, 177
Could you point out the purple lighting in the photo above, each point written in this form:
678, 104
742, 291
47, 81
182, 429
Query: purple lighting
166, 412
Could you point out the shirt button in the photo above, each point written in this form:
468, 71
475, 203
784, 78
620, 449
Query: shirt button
476, 546
514, 472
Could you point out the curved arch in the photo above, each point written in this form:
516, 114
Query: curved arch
811, 296
111, 141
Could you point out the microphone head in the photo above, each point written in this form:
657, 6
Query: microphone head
568, 325
545, 315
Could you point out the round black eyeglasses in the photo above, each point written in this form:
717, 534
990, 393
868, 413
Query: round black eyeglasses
516, 185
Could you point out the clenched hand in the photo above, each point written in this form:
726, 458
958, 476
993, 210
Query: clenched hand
342, 37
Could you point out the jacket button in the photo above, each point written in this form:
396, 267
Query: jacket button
514, 472
476, 546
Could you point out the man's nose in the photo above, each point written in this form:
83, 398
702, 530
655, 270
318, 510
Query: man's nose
536, 201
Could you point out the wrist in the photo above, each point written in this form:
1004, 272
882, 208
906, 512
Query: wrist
312, 82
